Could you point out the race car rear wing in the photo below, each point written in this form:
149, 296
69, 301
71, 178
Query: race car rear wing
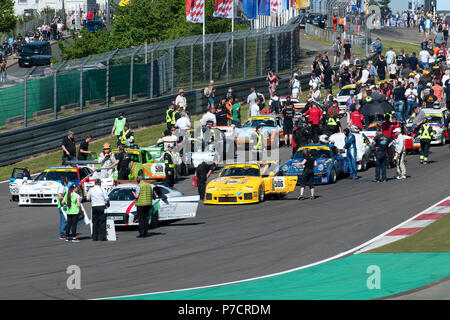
76, 163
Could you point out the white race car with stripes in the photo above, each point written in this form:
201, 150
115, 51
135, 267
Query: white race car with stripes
168, 204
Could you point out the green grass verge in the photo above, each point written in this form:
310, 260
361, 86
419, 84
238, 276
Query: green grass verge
433, 238
397, 46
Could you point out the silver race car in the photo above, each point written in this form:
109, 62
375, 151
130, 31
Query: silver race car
168, 204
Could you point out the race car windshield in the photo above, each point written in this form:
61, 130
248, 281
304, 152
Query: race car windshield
435, 119
121, 195
349, 91
238, 172
259, 122
57, 175
316, 153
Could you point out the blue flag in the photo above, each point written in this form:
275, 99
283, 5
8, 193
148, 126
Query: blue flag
264, 8
249, 8
285, 4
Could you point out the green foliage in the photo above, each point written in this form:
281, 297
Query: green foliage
384, 7
144, 21
7, 18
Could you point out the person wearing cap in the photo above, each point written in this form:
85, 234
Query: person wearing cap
119, 124
181, 99
123, 163
106, 159
169, 163
350, 147
144, 201
400, 153
202, 172
100, 201
426, 134
62, 190
170, 118
127, 136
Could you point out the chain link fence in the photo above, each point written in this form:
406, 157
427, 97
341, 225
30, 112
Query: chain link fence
147, 71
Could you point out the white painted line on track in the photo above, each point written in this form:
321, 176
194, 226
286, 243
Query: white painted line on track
342, 254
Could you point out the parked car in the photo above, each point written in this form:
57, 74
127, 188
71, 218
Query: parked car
36, 53
316, 19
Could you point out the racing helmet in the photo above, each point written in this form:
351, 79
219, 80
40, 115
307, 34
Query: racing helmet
106, 148
324, 139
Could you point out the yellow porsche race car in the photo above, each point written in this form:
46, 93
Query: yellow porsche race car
248, 183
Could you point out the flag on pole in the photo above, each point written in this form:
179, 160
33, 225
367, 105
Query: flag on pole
286, 4
224, 9
249, 8
195, 11
264, 7
275, 6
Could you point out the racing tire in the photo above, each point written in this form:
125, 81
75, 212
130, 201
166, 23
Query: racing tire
154, 220
260, 194
333, 176
364, 164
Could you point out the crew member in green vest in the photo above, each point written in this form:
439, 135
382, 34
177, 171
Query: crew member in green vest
144, 200
119, 125
169, 181
127, 136
332, 123
258, 143
170, 115
426, 133
72, 201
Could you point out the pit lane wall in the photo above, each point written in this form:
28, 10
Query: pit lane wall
42, 138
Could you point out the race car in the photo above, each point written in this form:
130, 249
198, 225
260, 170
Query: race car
144, 163
331, 163
344, 94
43, 190
437, 119
364, 148
248, 183
168, 204
19, 176
371, 130
272, 131
197, 149
105, 175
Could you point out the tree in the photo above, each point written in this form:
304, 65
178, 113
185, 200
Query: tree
384, 7
7, 18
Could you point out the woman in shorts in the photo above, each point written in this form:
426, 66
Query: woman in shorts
308, 164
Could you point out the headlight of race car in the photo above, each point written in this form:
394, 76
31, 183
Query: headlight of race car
285, 168
320, 167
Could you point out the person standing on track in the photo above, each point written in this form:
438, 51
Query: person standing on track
100, 201
288, 123
400, 153
72, 201
426, 133
382, 145
350, 147
123, 163
203, 171
144, 200
169, 162
308, 164
314, 115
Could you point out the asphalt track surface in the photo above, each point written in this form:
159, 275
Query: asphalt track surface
222, 244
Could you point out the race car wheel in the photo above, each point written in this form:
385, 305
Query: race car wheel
333, 176
364, 164
154, 220
261, 194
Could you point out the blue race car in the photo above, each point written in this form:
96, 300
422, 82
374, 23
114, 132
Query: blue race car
330, 163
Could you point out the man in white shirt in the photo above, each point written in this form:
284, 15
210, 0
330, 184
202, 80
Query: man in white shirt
365, 74
254, 108
390, 56
252, 97
181, 99
209, 115
424, 57
169, 138
183, 123
400, 153
99, 200
411, 98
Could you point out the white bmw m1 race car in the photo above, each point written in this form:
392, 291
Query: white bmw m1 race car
168, 204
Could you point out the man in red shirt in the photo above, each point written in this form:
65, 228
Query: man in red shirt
394, 125
335, 22
314, 115
333, 106
356, 118
386, 126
